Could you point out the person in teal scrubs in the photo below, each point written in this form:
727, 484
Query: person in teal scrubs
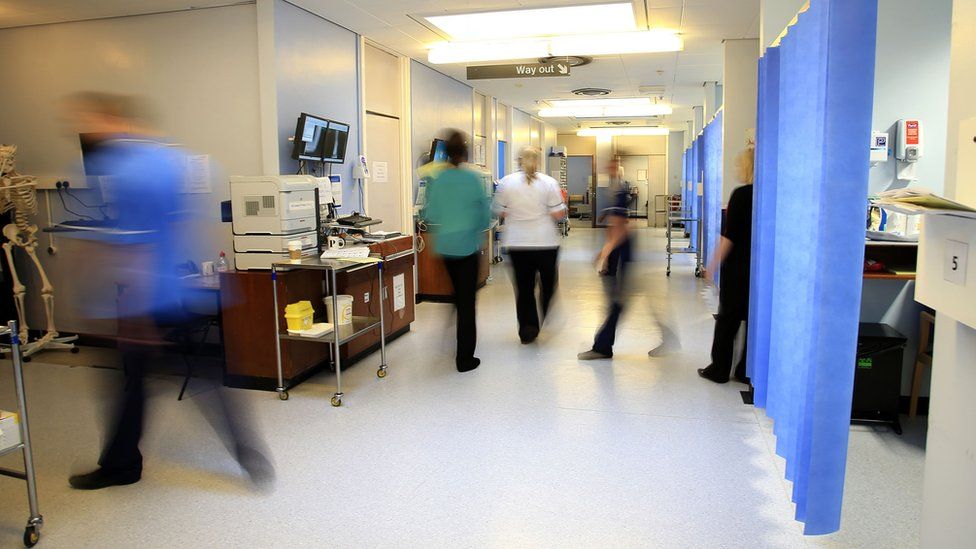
458, 212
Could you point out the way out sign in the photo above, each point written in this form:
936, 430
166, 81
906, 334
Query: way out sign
518, 70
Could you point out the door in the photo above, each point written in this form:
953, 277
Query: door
635, 173
657, 182
384, 186
579, 177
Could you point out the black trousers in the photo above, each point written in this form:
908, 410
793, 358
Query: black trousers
727, 325
530, 265
615, 285
121, 453
464, 276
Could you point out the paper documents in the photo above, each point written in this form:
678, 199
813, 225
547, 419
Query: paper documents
920, 201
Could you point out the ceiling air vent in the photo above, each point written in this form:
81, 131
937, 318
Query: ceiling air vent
591, 92
571, 60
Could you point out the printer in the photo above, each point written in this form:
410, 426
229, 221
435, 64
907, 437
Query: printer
268, 212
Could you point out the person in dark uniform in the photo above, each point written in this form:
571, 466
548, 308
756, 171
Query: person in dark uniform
734, 256
613, 263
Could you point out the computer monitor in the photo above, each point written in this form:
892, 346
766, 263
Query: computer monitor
334, 144
438, 151
309, 137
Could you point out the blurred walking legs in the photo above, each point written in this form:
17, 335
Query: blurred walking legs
527, 266
464, 276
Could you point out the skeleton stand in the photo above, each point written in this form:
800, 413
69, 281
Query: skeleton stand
18, 193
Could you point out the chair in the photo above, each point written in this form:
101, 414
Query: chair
926, 329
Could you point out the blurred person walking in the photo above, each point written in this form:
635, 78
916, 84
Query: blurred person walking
531, 203
458, 212
733, 256
614, 265
140, 253
613, 262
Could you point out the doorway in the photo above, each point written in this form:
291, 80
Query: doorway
579, 185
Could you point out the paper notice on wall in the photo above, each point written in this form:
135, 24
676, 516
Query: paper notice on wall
380, 172
399, 292
197, 177
603, 180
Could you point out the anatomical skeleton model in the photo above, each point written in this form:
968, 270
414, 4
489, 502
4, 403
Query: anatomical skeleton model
18, 193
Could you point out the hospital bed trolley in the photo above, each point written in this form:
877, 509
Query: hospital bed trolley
32, 533
683, 220
341, 333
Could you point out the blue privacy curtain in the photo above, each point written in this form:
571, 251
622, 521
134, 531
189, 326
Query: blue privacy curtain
686, 177
815, 101
693, 206
712, 194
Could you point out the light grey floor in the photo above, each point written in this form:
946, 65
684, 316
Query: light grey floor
534, 449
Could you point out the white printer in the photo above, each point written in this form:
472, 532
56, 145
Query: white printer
270, 211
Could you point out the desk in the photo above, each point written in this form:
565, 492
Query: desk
247, 302
432, 277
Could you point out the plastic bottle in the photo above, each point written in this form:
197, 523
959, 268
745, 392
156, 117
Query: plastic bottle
222, 266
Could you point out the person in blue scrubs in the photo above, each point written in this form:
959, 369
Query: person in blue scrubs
140, 251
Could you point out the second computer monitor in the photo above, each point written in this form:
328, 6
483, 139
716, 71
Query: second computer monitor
334, 144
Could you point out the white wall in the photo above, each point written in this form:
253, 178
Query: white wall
199, 71
437, 102
676, 149
912, 81
521, 134
962, 86
739, 107
774, 15
316, 71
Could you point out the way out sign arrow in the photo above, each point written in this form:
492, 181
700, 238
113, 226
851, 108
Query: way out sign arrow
518, 70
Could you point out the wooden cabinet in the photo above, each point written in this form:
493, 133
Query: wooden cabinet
435, 284
248, 317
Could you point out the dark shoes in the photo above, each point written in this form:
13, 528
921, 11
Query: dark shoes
703, 372
468, 365
708, 374
593, 355
528, 335
100, 478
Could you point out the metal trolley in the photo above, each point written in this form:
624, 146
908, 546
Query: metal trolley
341, 333
32, 533
680, 219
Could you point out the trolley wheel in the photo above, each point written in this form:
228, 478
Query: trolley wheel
668, 273
27, 359
336, 401
75, 350
381, 373
31, 536
698, 273
283, 395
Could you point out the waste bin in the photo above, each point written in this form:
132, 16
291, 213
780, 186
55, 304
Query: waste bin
877, 375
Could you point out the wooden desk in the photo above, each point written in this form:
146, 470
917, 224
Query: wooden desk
249, 336
435, 284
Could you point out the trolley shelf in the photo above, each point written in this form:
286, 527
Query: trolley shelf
11, 450
347, 332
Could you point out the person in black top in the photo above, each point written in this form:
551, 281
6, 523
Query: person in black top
734, 255
612, 263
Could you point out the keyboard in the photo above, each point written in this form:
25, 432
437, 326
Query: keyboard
341, 253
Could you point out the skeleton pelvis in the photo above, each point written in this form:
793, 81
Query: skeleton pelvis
18, 237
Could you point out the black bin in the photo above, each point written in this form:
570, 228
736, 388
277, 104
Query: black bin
877, 375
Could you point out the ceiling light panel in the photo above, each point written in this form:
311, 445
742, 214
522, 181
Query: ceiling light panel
597, 111
614, 132
599, 18
616, 102
526, 48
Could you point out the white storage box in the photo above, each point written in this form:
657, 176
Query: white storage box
9, 430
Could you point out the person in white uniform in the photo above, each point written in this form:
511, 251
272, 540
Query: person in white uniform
530, 203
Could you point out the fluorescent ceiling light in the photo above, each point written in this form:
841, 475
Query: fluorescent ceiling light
600, 18
655, 41
606, 111
585, 103
613, 132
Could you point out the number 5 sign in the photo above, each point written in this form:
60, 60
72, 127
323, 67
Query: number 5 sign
956, 259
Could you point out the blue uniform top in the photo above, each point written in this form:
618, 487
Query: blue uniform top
146, 179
